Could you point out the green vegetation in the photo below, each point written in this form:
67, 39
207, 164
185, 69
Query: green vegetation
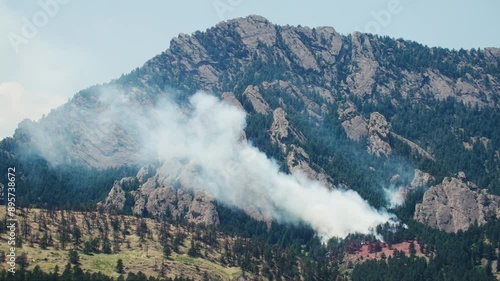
460, 137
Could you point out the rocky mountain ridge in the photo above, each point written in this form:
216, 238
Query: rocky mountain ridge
331, 67
298, 86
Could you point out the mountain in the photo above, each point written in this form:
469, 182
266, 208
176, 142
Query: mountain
316, 82
383, 117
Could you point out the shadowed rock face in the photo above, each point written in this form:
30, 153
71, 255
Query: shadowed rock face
455, 204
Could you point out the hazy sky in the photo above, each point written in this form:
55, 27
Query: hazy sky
50, 49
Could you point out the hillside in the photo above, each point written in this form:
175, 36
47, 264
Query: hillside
91, 243
249, 128
158, 248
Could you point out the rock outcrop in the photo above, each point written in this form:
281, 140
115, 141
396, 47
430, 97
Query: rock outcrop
116, 196
378, 135
167, 192
298, 162
355, 126
259, 104
455, 204
202, 209
281, 130
421, 179
232, 100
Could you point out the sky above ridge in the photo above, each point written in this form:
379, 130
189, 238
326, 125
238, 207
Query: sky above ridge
50, 49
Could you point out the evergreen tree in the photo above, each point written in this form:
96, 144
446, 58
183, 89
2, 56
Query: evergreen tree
87, 248
166, 252
77, 235
106, 246
73, 256
44, 241
22, 261
67, 273
119, 266
193, 249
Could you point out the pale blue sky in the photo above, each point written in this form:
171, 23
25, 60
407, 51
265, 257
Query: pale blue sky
89, 42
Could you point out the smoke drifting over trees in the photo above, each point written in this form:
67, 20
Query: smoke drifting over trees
209, 135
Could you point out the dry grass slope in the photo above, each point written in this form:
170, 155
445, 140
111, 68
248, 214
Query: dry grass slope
145, 255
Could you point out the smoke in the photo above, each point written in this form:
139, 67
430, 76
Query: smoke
238, 174
395, 196
208, 134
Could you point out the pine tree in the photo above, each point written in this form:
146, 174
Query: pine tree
119, 266
166, 252
106, 245
44, 241
193, 251
77, 235
66, 274
22, 261
74, 258
87, 248
413, 251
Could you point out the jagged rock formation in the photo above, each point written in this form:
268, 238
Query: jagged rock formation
421, 179
378, 133
298, 162
281, 130
232, 100
168, 191
259, 104
401, 188
455, 204
355, 126
116, 196
377, 130
362, 78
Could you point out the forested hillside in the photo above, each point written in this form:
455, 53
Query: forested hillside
374, 115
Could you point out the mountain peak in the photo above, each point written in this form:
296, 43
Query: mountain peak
250, 19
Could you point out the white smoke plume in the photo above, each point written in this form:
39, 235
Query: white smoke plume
239, 175
395, 196
208, 134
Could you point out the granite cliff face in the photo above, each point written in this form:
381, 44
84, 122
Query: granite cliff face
455, 204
